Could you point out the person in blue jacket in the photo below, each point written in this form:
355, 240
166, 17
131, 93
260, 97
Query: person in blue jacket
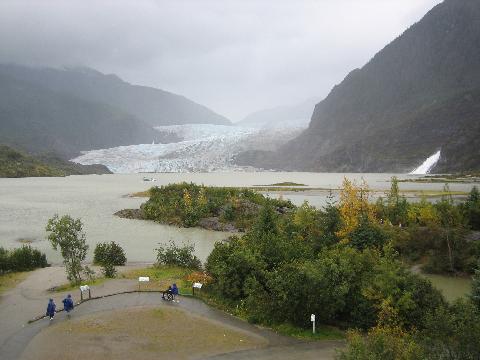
68, 304
175, 292
51, 309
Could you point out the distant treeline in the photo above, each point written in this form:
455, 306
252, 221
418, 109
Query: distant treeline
16, 164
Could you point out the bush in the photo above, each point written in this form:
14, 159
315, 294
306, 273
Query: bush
173, 255
382, 343
453, 330
25, 258
367, 235
110, 253
4, 261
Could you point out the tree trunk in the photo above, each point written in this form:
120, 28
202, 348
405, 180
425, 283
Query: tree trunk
450, 257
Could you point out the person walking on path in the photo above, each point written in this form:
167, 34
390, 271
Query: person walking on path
68, 304
51, 309
175, 292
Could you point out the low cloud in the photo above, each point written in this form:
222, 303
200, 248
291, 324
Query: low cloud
233, 56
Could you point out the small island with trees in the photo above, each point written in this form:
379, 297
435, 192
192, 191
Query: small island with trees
214, 208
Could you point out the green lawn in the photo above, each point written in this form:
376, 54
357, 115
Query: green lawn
161, 278
68, 286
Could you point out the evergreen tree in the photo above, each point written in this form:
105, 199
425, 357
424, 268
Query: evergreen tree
471, 209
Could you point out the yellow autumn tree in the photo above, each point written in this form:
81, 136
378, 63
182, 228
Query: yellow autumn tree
187, 199
202, 198
354, 203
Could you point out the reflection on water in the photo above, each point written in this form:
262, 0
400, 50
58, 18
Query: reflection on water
26, 205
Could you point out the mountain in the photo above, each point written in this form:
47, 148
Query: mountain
152, 106
40, 120
69, 111
281, 116
15, 164
418, 95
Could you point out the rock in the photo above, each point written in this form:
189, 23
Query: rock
137, 214
213, 223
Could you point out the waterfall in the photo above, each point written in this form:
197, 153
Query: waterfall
427, 165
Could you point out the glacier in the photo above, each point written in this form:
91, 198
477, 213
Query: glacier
203, 148
427, 165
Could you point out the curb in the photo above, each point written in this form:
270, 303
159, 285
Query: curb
37, 318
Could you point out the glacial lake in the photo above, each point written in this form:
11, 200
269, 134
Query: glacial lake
26, 204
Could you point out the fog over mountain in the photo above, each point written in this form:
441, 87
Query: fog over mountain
282, 116
73, 110
96, 85
232, 56
418, 95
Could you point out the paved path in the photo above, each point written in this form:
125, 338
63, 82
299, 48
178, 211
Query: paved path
28, 300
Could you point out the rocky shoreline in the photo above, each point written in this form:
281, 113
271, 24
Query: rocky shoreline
210, 223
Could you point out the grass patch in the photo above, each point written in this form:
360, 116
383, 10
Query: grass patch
161, 277
145, 193
10, 280
322, 332
68, 286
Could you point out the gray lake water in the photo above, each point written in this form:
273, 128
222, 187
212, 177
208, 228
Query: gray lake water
26, 204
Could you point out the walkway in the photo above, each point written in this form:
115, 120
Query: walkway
15, 337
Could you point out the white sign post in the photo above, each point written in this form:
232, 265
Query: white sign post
196, 285
142, 279
84, 288
312, 319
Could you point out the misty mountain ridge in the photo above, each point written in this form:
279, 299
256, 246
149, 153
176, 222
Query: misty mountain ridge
297, 115
421, 93
153, 106
73, 110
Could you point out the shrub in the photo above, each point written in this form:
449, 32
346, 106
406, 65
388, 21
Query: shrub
111, 253
108, 255
367, 235
382, 343
21, 259
4, 260
27, 258
173, 255
453, 330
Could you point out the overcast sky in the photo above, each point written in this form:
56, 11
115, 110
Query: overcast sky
235, 57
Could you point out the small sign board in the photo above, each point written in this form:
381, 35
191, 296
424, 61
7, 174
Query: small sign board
144, 279
312, 317
84, 288
197, 285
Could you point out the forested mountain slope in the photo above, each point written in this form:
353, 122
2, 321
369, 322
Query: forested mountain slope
416, 96
41, 120
153, 106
